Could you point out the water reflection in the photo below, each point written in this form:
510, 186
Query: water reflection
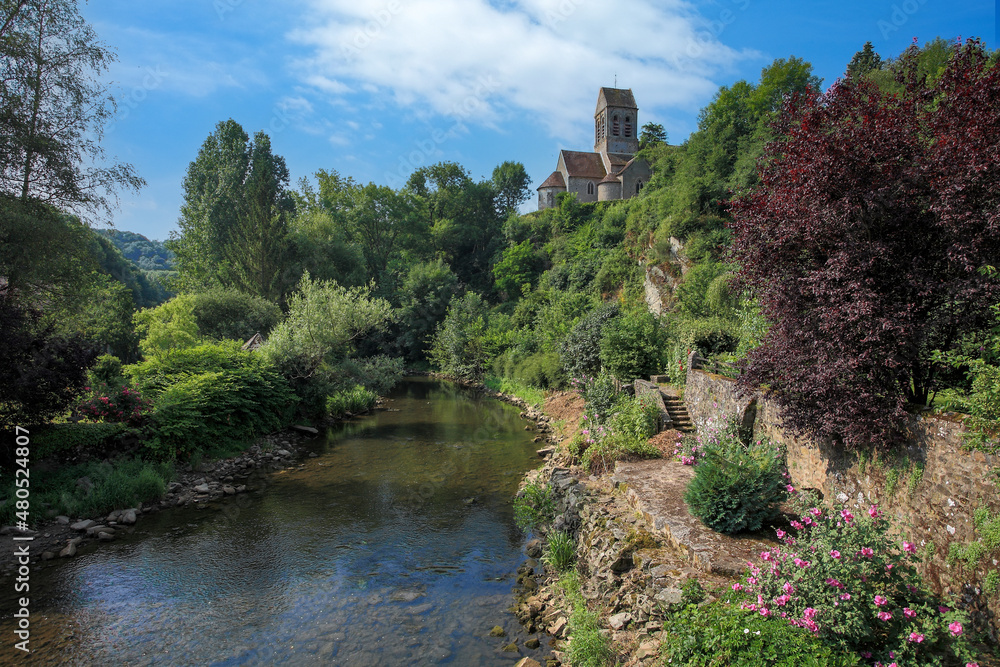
394, 547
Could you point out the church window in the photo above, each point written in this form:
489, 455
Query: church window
638, 186
615, 126
590, 188
628, 127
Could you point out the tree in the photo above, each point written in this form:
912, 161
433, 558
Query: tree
512, 186
168, 327
234, 216
865, 241
424, 297
863, 62
651, 135
54, 108
378, 217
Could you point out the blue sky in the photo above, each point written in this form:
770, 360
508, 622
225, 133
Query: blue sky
378, 88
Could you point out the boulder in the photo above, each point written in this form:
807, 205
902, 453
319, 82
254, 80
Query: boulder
128, 517
619, 621
528, 662
201, 488
68, 551
83, 525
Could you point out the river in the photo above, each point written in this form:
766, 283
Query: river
394, 546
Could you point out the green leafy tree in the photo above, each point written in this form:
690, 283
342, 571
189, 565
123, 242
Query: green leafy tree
519, 265
863, 62
171, 326
512, 186
228, 314
377, 219
652, 134
633, 345
53, 109
424, 297
459, 347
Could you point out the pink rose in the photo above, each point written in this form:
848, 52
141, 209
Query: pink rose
815, 511
737, 587
780, 533
845, 596
884, 616
834, 554
867, 552
880, 601
809, 612
916, 637
873, 511
788, 588
909, 547
797, 526
955, 628
909, 613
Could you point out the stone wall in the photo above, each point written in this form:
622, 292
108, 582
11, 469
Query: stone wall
932, 489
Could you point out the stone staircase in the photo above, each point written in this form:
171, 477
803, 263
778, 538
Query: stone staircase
679, 417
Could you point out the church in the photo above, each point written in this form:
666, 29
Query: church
612, 171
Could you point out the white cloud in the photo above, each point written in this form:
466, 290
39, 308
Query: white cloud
480, 62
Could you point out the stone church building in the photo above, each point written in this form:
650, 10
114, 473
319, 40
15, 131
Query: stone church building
611, 172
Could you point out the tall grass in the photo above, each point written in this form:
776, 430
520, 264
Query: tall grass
351, 401
531, 395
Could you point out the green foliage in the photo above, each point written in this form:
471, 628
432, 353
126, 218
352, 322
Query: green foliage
91, 489
114, 403
692, 592
580, 350
543, 370
518, 267
323, 320
534, 506
991, 583
588, 647
851, 583
223, 313
622, 430
617, 271
530, 395
988, 530
168, 327
718, 635
57, 439
560, 551
378, 374
106, 369
423, 297
633, 345
737, 487
458, 347
351, 401
146, 254
600, 395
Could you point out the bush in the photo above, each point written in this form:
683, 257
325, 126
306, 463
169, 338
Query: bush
560, 551
378, 374
458, 347
534, 505
55, 439
351, 401
154, 375
625, 432
736, 487
219, 411
543, 370
228, 314
846, 581
588, 648
633, 346
600, 395
107, 369
580, 350
118, 403
719, 635
169, 326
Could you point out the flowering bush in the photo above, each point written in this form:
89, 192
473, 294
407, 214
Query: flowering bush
845, 580
688, 449
107, 404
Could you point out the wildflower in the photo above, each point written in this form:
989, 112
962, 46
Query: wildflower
972, 664
780, 533
834, 583
909, 547
815, 511
880, 601
884, 616
955, 628
781, 600
752, 581
909, 613
846, 515
916, 637
797, 526
801, 563
789, 488
943, 610
788, 588
834, 554
810, 625
737, 587
764, 611
867, 552
809, 612
765, 555
873, 512
845, 596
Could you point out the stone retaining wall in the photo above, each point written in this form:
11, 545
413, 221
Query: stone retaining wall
932, 489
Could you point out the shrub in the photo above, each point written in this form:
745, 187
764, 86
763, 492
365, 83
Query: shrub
218, 412
624, 433
229, 314
155, 374
351, 401
600, 394
107, 369
118, 403
737, 487
543, 370
560, 551
54, 439
378, 374
534, 505
580, 350
718, 635
588, 648
169, 326
689, 449
846, 581
633, 346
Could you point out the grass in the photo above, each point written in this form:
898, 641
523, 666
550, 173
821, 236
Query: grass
588, 647
560, 551
531, 395
351, 401
118, 485
533, 506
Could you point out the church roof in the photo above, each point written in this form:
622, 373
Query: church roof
619, 159
610, 178
555, 180
583, 165
616, 97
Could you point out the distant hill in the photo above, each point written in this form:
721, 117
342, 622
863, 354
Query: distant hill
146, 254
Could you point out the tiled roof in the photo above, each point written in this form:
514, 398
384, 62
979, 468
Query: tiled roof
554, 181
610, 178
583, 165
619, 159
617, 97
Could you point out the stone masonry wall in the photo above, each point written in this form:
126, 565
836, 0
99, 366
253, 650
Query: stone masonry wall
936, 485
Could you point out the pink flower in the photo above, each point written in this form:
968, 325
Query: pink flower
846, 515
781, 600
916, 637
834, 583
880, 601
815, 511
789, 488
752, 581
972, 664
801, 563
780, 533
834, 554
909, 547
955, 628
873, 511
810, 625
764, 611
884, 616
867, 552
845, 596
909, 613
866, 654
788, 588
765, 555
797, 526
737, 587
943, 610
809, 612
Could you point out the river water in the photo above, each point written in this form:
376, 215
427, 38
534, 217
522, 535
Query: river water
395, 546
